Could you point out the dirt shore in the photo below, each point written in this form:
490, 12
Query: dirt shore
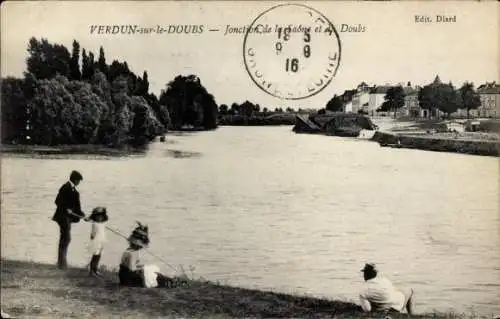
33, 290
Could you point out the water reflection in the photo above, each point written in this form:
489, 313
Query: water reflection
182, 154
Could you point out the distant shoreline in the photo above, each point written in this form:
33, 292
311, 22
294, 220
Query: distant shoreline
450, 142
77, 149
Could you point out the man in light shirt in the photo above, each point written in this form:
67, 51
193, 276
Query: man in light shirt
379, 293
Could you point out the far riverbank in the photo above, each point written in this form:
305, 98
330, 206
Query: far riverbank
258, 120
431, 136
438, 142
77, 149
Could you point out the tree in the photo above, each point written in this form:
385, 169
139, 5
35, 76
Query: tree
14, 110
247, 108
53, 112
449, 99
235, 108
210, 112
438, 95
45, 60
86, 67
335, 104
469, 99
122, 115
74, 64
116, 69
89, 109
144, 125
101, 62
189, 103
91, 65
64, 104
144, 85
223, 109
394, 99
160, 110
102, 88
426, 98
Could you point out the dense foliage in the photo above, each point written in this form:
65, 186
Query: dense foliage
189, 103
394, 99
60, 101
335, 104
445, 98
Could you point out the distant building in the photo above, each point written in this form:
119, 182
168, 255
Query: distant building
489, 93
347, 98
361, 99
377, 98
412, 107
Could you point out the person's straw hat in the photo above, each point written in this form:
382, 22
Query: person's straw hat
140, 235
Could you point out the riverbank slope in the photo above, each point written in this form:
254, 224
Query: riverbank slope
464, 143
33, 290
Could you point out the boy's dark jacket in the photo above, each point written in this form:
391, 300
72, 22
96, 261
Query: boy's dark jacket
68, 197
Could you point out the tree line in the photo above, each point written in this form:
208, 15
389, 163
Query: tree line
434, 96
73, 98
250, 109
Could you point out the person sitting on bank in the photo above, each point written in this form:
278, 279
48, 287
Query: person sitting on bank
68, 211
132, 272
379, 293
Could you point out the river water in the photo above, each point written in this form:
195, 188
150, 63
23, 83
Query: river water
263, 207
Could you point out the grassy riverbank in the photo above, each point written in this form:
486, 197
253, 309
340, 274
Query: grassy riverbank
33, 290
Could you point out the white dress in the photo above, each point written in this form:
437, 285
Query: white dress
131, 260
150, 275
98, 232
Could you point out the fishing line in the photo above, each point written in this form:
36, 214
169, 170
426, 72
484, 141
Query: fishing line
123, 236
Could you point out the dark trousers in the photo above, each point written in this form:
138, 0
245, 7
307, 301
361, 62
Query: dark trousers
64, 240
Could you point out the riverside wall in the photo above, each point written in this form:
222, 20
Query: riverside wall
439, 144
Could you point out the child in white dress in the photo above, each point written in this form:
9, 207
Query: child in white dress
99, 217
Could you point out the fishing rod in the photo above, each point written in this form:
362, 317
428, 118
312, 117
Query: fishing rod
123, 236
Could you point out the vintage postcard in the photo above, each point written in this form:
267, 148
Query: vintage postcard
295, 159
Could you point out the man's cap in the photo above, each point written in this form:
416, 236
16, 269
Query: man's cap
75, 175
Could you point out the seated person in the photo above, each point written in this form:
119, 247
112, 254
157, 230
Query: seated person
132, 272
380, 294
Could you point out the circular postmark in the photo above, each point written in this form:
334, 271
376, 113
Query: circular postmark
291, 51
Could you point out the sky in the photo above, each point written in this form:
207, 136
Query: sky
393, 47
